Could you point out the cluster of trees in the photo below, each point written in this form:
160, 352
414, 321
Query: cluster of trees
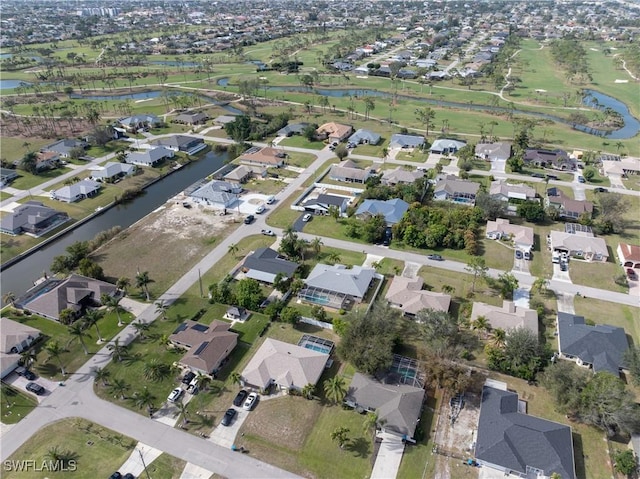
600, 399
611, 210
411, 193
569, 53
371, 229
520, 354
77, 257
440, 227
244, 128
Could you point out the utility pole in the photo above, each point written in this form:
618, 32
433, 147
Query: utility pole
143, 464
200, 283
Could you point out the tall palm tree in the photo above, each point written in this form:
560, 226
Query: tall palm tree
54, 350
142, 282
144, 399
183, 412
102, 375
28, 357
123, 283
236, 378
91, 318
316, 245
77, 331
161, 308
112, 303
335, 389
117, 350
8, 298
119, 387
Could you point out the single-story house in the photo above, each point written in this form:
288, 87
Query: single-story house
623, 167
239, 175
522, 236
286, 365
321, 204
557, 159
581, 245
112, 171
207, 345
407, 294
149, 157
76, 293
224, 119
398, 406
16, 337
446, 146
400, 176
293, 129
264, 264
76, 191
350, 172
506, 191
392, 210
507, 317
364, 137
498, 151
512, 442
406, 141
567, 207
63, 147
139, 122
267, 156
333, 131
629, 255
47, 160
33, 218
600, 347
336, 285
215, 194
7, 176
192, 118
456, 190
187, 144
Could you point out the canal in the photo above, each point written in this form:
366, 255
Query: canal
19, 277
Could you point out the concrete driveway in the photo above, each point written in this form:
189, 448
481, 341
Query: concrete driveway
388, 458
498, 167
20, 383
134, 463
565, 303
634, 287
226, 435
616, 182
521, 265
560, 275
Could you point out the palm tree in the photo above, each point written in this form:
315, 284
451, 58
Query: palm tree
161, 308
334, 212
183, 411
481, 323
202, 380
448, 289
118, 350
316, 245
77, 331
540, 285
119, 387
8, 298
141, 328
236, 378
144, 399
28, 357
370, 423
233, 249
54, 350
385, 154
123, 283
334, 389
112, 303
155, 371
499, 337
91, 318
101, 374
339, 435
308, 390
142, 282
334, 257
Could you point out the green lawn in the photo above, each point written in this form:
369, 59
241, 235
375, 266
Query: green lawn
15, 404
12, 149
27, 180
597, 275
98, 451
301, 142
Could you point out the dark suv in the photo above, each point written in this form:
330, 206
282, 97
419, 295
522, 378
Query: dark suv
188, 377
35, 388
249, 219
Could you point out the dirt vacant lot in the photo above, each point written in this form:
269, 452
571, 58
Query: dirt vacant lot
166, 243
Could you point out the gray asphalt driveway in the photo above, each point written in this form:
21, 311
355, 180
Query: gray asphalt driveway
298, 225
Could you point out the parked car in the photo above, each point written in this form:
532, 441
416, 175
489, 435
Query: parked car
240, 397
537, 175
527, 256
188, 377
25, 373
260, 209
228, 417
435, 257
631, 274
271, 200
518, 254
251, 401
175, 395
552, 177
388, 236
581, 179
128, 475
306, 217
115, 475
563, 266
249, 219
186, 205
35, 388
600, 190
268, 233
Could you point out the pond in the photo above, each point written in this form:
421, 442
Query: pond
595, 99
10, 84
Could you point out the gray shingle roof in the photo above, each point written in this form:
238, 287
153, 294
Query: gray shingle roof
269, 261
392, 210
365, 136
411, 141
354, 282
515, 441
602, 346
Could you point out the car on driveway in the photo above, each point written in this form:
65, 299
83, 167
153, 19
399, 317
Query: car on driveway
240, 397
128, 475
435, 257
228, 417
306, 217
581, 179
25, 373
249, 219
35, 388
563, 266
518, 254
175, 395
188, 377
631, 274
115, 475
268, 233
251, 401
527, 256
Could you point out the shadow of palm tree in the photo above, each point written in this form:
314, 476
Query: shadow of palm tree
360, 447
130, 359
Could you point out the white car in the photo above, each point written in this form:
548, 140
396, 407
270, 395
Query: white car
260, 209
250, 402
175, 395
268, 233
306, 217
